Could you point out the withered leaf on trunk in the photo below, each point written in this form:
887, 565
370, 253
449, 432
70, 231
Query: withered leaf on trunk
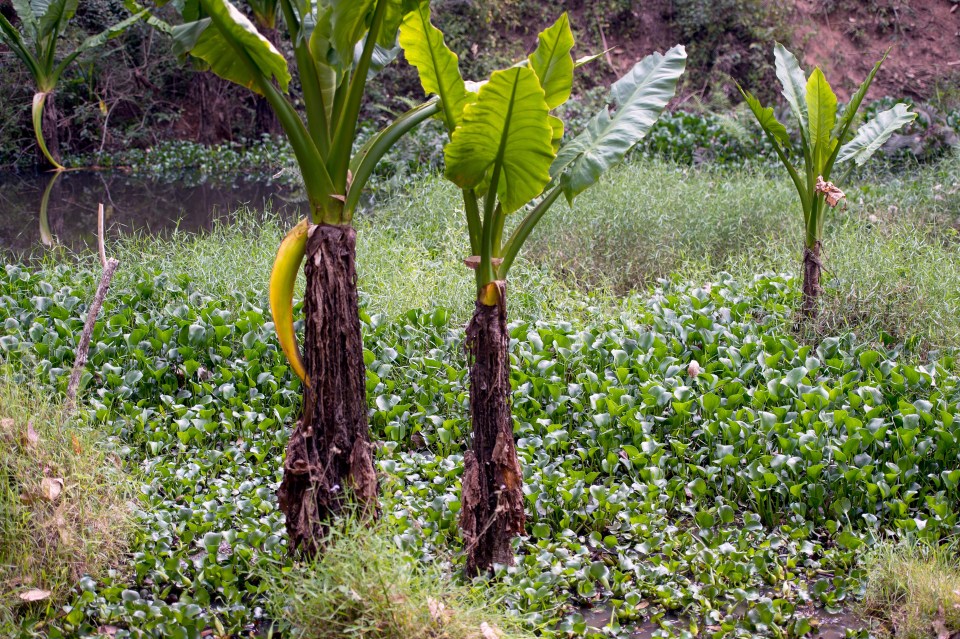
832, 193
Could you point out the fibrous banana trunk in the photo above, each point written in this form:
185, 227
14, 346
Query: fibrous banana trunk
811, 280
492, 494
329, 460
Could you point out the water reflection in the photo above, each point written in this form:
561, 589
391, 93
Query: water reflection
43, 210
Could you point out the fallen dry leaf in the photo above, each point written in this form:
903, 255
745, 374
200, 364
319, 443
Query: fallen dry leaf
940, 625
6, 424
34, 594
489, 632
108, 631
438, 611
30, 438
832, 193
51, 487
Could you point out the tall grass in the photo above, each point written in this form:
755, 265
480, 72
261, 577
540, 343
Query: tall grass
49, 540
891, 252
913, 591
363, 585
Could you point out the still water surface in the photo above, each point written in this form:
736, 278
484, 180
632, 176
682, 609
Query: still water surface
132, 204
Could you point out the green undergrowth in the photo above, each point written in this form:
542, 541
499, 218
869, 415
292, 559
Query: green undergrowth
739, 499
913, 591
364, 585
63, 501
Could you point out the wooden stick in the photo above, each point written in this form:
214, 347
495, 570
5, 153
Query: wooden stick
83, 347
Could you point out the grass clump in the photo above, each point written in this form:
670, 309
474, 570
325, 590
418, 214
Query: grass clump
63, 511
364, 585
913, 591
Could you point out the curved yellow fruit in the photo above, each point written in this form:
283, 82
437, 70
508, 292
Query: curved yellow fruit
282, 280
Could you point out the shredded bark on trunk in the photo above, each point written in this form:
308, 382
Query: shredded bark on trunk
329, 460
492, 494
811, 280
83, 347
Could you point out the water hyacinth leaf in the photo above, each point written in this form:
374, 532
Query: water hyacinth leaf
233, 48
794, 83
553, 63
505, 136
640, 97
437, 65
874, 133
822, 111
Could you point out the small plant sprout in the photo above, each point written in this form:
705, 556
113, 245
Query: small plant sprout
824, 143
506, 154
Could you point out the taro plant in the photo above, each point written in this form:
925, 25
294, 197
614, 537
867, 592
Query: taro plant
42, 25
505, 154
824, 143
338, 45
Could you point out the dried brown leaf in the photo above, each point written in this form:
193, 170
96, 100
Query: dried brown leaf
30, 438
34, 594
75, 443
489, 632
438, 611
51, 487
940, 625
832, 193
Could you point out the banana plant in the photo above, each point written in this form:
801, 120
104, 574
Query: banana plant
42, 25
504, 153
824, 143
337, 46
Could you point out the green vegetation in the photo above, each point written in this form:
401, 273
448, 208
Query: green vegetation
364, 585
913, 590
732, 499
43, 24
824, 143
65, 516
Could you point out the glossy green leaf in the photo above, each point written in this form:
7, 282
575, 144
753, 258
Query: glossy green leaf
640, 97
822, 111
553, 63
350, 21
505, 136
438, 66
793, 81
229, 42
874, 133
766, 118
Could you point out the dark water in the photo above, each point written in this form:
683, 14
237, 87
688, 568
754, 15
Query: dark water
30, 222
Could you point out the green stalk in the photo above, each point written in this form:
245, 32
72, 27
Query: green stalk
522, 232
474, 223
315, 177
312, 93
382, 142
339, 158
500, 220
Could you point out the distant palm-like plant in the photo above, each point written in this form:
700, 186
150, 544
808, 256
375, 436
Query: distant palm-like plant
35, 43
823, 145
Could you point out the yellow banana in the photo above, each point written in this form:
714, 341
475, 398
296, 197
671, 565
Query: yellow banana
282, 280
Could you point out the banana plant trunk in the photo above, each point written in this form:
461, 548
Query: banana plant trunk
812, 268
48, 125
492, 494
329, 462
